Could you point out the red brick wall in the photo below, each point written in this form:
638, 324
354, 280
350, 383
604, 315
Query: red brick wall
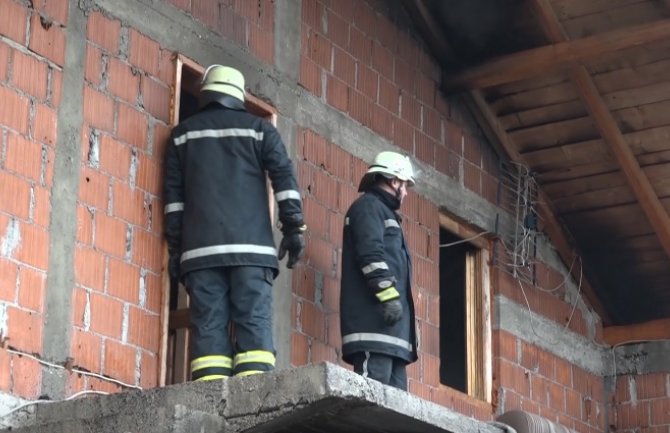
642, 404
117, 294
31, 57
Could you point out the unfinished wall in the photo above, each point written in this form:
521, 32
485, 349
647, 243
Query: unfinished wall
349, 79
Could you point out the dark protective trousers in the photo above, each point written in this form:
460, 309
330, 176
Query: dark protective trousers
386, 369
237, 295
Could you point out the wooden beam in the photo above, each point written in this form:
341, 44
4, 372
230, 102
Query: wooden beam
533, 62
609, 130
551, 226
647, 331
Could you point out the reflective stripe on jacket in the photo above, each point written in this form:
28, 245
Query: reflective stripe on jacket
373, 247
216, 196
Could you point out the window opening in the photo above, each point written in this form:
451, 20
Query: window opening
174, 353
465, 337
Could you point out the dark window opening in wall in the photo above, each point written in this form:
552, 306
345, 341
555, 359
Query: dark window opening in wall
465, 339
174, 352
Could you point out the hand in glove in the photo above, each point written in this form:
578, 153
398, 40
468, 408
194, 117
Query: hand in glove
392, 311
293, 242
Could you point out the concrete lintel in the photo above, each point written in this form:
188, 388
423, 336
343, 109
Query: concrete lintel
319, 397
641, 358
550, 336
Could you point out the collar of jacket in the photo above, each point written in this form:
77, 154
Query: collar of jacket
387, 198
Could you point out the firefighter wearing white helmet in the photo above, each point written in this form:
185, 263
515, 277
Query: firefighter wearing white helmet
376, 306
218, 227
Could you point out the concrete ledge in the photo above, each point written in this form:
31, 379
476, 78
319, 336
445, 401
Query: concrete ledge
321, 397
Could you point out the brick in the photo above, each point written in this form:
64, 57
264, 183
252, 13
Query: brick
106, 315
55, 9
98, 109
472, 149
367, 82
9, 273
132, 126
408, 49
149, 174
382, 122
31, 289
659, 412
120, 361
48, 163
114, 157
472, 178
387, 33
389, 96
104, 32
45, 125
26, 377
89, 268
310, 76
124, 81
320, 254
360, 46
94, 188
338, 30
84, 225
34, 246
316, 217
144, 52
206, 11
156, 98
410, 109
24, 157
382, 61
184, 5
312, 14
5, 371
47, 39
345, 8
425, 148
340, 163
14, 110
149, 370
573, 404
147, 251
337, 94
86, 349
5, 52
24, 330
110, 235
13, 20
322, 352
344, 66
266, 14
320, 50
365, 18
432, 123
144, 329
403, 135
156, 216
303, 282
404, 77
299, 349
161, 138
312, 320
123, 280
130, 204
261, 42
360, 107
154, 292
166, 67
30, 74
425, 89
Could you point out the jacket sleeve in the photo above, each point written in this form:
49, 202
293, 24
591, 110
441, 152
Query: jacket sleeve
282, 176
367, 234
173, 197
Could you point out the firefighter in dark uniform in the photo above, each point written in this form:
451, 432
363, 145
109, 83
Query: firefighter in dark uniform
376, 306
218, 227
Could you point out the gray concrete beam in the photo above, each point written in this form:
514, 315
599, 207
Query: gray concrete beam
63, 219
320, 397
640, 358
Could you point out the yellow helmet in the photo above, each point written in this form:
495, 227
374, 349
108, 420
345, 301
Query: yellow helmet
224, 80
391, 165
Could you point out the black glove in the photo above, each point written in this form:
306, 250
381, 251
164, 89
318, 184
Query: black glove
293, 242
173, 266
392, 311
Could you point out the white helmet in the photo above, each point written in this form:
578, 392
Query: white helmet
391, 165
219, 82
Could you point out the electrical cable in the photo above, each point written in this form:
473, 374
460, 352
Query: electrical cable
38, 402
76, 370
450, 244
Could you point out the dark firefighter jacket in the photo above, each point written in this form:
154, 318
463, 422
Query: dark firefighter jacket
374, 247
216, 196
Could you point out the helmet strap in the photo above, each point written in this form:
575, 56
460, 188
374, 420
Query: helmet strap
396, 191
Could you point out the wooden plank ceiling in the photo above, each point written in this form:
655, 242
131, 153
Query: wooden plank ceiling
578, 91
